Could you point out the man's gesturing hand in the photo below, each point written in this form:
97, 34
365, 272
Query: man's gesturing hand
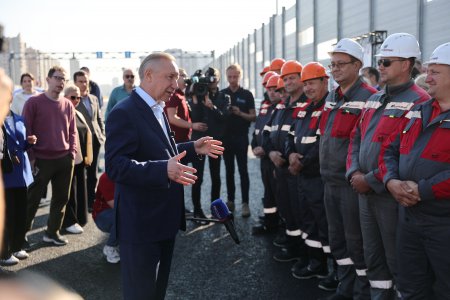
208, 146
180, 173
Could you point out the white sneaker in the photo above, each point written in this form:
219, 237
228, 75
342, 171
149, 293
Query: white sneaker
22, 254
11, 261
112, 254
75, 229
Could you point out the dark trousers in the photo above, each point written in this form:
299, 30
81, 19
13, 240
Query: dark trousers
287, 200
379, 218
236, 146
344, 230
423, 258
76, 208
142, 278
92, 172
313, 191
59, 171
214, 170
15, 222
268, 179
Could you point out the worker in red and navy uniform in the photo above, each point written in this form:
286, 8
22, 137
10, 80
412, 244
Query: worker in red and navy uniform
274, 136
270, 221
341, 112
302, 149
383, 115
415, 165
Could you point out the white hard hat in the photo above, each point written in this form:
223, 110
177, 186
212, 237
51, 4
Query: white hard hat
350, 47
400, 45
440, 55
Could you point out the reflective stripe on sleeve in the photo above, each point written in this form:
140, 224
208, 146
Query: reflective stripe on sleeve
274, 128
256, 131
326, 249
361, 272
381, 284
270, 210
313, 244
304, 235
267, 128
345, 261
285, 127
309, 139
297, 232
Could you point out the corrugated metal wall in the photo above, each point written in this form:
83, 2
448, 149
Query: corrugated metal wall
307, 31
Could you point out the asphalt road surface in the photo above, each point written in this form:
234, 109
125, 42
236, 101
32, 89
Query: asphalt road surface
207, 263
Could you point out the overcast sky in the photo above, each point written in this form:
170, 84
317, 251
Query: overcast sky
135, 25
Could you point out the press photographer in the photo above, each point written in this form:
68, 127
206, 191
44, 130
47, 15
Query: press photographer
209, 106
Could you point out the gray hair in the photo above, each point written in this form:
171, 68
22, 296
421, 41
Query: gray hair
151, 58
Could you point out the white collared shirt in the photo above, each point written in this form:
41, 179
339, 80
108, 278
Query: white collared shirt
156, 106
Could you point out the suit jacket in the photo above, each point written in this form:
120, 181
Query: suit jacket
17, 145
149, 206
95, 122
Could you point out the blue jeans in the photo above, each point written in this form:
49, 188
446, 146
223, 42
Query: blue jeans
106, 222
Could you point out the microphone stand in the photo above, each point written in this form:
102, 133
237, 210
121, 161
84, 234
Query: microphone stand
202, 220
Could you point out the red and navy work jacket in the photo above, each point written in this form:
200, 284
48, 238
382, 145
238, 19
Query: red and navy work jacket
421, 153
339, 116
383, 114
276, 130
303, 137
265, 112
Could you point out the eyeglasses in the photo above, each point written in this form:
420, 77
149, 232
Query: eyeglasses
339, 64
129, 76
73, 98
59, 78
386, 62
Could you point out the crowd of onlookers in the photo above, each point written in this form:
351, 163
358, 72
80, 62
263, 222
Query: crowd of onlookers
356, 176
54, 136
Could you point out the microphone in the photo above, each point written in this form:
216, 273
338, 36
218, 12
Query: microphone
220, 211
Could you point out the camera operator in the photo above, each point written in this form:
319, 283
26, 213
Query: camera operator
209, 106
178, 113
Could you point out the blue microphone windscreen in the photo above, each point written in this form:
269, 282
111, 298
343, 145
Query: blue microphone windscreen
219, 209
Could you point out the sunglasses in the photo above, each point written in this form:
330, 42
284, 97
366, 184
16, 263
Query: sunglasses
129, 76
387, 62
73, 98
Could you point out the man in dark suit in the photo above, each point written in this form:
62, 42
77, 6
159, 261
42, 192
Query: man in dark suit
90, 108
149, 170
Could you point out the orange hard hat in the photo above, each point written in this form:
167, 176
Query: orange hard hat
313, 70
273, 81
264, 71
280, 84
291, 67
267, 76
276, 64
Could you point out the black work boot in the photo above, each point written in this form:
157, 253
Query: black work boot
295, 250
331, 282
317, 267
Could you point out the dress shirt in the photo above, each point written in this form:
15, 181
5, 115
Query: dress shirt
157, 108
87, 103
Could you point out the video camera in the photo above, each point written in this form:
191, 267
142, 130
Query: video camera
198, 84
